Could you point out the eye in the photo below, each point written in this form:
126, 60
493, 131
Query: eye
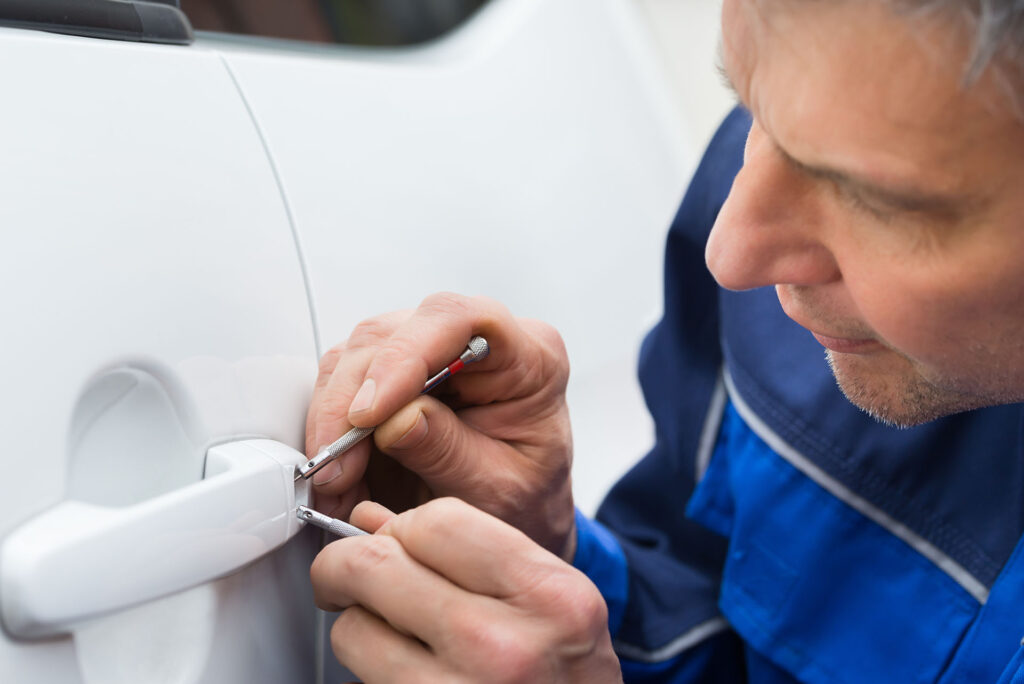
857, 201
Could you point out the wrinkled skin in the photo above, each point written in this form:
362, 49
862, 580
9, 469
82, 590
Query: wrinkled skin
881, 200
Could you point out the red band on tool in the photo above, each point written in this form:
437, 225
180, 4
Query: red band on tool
455, 366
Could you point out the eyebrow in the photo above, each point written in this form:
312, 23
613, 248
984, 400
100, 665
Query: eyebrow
723, 73
908, 199
912, 200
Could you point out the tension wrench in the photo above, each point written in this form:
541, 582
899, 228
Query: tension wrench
326, 522
476, 350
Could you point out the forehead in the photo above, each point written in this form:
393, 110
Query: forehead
855, 85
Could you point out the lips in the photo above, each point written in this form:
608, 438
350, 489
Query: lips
845, 345
797, 310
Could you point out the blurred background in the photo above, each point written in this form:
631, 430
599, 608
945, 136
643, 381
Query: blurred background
684, 32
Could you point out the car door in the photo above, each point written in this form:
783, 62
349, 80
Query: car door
531, 155
156, 330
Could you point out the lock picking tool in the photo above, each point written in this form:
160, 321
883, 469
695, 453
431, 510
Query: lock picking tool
326, 522
476, 350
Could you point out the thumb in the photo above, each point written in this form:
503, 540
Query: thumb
370, 516
429, 439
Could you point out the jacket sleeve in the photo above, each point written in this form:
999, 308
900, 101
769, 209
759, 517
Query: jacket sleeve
658, 570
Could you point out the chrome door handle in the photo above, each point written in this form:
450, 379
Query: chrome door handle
79, 560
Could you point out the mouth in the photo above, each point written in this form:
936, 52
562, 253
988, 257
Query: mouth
836, 343
846, 345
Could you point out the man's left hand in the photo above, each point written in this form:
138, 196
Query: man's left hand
446, 592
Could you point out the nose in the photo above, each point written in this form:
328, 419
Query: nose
769, 231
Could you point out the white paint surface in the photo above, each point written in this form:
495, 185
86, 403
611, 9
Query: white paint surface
143, 230
533, 156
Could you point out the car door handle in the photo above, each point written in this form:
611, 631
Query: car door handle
80, 560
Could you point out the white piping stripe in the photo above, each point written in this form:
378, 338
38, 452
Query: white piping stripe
949, 566
709, 433
681, 643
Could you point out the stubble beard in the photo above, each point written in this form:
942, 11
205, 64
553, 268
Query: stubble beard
901, 399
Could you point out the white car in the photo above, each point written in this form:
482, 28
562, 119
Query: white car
188, 224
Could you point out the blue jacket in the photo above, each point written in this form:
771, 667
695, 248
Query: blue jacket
775, 533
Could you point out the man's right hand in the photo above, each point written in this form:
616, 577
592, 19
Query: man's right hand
495, 435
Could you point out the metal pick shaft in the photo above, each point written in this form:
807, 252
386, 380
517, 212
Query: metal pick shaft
476, 350
326, 522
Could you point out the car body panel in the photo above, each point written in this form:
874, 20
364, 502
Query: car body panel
154, 306
531, 156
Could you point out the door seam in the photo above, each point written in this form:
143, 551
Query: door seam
300, 253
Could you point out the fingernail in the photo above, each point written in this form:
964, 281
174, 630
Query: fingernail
364, 397
327, 473
413, 435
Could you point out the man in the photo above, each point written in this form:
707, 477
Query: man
879, 195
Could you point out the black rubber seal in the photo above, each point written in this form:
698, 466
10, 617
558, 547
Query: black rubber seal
147, 22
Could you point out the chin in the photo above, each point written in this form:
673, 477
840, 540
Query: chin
890, 390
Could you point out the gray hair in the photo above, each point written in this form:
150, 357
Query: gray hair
998, 27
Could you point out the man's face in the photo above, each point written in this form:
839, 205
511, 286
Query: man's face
883, 201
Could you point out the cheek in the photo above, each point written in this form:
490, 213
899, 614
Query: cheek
939, 318
908, 316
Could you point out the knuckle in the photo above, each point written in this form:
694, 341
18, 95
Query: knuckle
432, 520
370, 331
397, 353
506, 653
581, 612
440, 511
549, 335
445, 302
329, 361
332, 407
517, 660
555, 358
368, 554
490, 307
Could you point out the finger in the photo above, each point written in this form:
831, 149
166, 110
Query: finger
334, 398
328, 362
426, 437
453, 458
342, 473
540, 370
375, 572
331, 423
376, 652
370, 515
341, 372
341, 505
432, 337
476, 551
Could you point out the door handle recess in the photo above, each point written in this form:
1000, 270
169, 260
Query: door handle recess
79, 560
